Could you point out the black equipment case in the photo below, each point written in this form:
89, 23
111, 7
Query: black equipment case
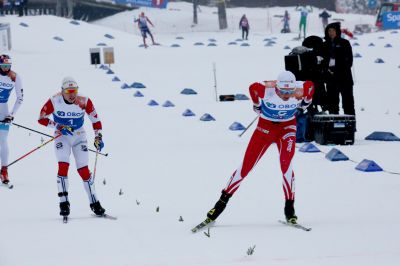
334, 129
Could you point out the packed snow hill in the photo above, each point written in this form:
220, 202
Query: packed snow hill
164, 171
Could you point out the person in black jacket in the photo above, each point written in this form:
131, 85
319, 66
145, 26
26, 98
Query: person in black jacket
324, 16
337, 63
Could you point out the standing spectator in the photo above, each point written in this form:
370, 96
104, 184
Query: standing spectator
8, 7
285, 19
19, 5
25, 7
338, 60
144, 29
303, 19
68, 109
324, 16
245, 26
275, 102
9, 81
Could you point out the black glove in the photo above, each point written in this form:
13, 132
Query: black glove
257, 109
8, 119
98, 142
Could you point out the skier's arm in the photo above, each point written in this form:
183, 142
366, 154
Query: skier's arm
94, 118
18, 91
148, 20
308, 92
45, 113
257, 91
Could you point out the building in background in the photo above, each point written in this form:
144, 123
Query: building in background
87, 10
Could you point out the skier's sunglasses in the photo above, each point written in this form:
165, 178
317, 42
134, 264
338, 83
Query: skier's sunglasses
5, 66
286, 91
70, 90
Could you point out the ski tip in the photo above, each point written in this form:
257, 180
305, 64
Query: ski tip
107, 216
11, 186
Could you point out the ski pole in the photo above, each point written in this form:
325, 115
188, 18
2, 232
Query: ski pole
254, 120
47, 135
95, 165
35, 149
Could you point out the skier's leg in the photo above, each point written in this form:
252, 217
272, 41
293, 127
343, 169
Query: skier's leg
80, 151
4, 153
63, 151
286, 146
255, 150
144, 38
151, 36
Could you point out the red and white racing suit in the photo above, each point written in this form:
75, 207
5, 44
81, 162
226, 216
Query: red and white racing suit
71, 114
277, 123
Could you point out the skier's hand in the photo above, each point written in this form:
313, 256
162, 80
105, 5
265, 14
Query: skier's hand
65, 130
8, 119
257, 109
303, 105
98, 142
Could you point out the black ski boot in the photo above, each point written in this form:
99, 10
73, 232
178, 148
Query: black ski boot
64, 208
97, 209
219, 206
289, 212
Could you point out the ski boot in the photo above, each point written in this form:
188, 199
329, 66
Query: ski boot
219, 206
4, 175
289, 212
64, 208
97, 209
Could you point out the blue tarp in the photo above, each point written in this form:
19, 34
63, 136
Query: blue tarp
153, 103
188, 91
138, 85
368, 166
168, 104
188, 112
309, 147
236, 126
380, 135
138, 94
336, 155
207, 117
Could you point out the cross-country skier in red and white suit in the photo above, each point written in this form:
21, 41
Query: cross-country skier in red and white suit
68, 109
276, 102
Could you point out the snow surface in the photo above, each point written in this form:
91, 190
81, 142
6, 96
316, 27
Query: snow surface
161, 159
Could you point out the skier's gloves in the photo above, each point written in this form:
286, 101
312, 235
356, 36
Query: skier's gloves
304, 104
98, 142
65, 130
8, 119
257, 108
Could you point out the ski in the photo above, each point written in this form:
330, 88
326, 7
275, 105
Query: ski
298, 226
107, 216
8, 185
65, 219
202, 225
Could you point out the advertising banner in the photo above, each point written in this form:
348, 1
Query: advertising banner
146, 3
391, 20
